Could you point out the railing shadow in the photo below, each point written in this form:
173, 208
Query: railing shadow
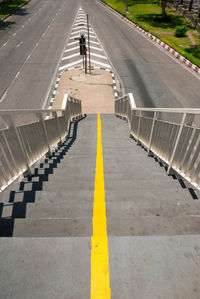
17, 200
181, 182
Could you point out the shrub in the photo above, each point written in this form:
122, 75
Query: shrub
181, 31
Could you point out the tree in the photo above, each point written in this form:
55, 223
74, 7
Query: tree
163, 4
190, 6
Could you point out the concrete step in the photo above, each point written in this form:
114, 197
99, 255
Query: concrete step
62, 227
73, 208
152, 208
148, 192
153, 225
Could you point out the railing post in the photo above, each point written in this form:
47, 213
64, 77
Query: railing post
156, 114
11, 123
58, 126
176, 144
138, 132
41, 119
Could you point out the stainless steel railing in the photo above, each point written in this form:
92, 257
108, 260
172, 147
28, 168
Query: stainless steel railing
22, 145
171, 134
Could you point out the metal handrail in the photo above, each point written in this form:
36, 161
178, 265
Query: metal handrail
23, 145
171, 134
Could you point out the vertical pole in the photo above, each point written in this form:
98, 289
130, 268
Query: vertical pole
126, 5
22, 147
85, 60
88, 29
151, 134
176, 143
41, 119
138, 132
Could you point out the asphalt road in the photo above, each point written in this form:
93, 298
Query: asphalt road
32, 41
154, 78
35, 42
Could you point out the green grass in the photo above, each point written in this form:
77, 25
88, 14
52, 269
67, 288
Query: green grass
147, 15
8, 6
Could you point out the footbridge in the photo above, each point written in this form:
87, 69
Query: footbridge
107, 205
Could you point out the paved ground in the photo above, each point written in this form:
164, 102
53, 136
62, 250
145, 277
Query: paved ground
95, 90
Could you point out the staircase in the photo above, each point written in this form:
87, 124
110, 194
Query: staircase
153, 221
140, 198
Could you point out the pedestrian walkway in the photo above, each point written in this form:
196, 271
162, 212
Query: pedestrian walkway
148, 214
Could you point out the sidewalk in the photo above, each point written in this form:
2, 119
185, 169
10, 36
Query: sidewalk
95, 90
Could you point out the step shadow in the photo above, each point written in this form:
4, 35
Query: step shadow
17, 200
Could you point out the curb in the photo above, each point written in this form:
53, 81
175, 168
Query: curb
13, 11
155, 39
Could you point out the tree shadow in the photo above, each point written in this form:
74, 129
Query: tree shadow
4, 25
195, 51
21, 12
156, 20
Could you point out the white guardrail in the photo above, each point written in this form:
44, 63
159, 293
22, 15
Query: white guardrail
171, 134
21, 146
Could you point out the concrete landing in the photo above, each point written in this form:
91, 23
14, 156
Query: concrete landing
46, 268
95, 90
155, 267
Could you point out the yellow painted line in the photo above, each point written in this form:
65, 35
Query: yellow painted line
100, 278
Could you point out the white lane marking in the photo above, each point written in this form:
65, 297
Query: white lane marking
78, 28
77, 36
72, 49
81, 25
76, 41
22, 26
70, 64
64, 102
73, 43
97, 55
3, 97
78, 31
14, 34
81, 31
95, 48
19, 44
28, 56
100, 63
17, 75
96, 43
77, 54
36, 44
78, 20
70, 56
5, 44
